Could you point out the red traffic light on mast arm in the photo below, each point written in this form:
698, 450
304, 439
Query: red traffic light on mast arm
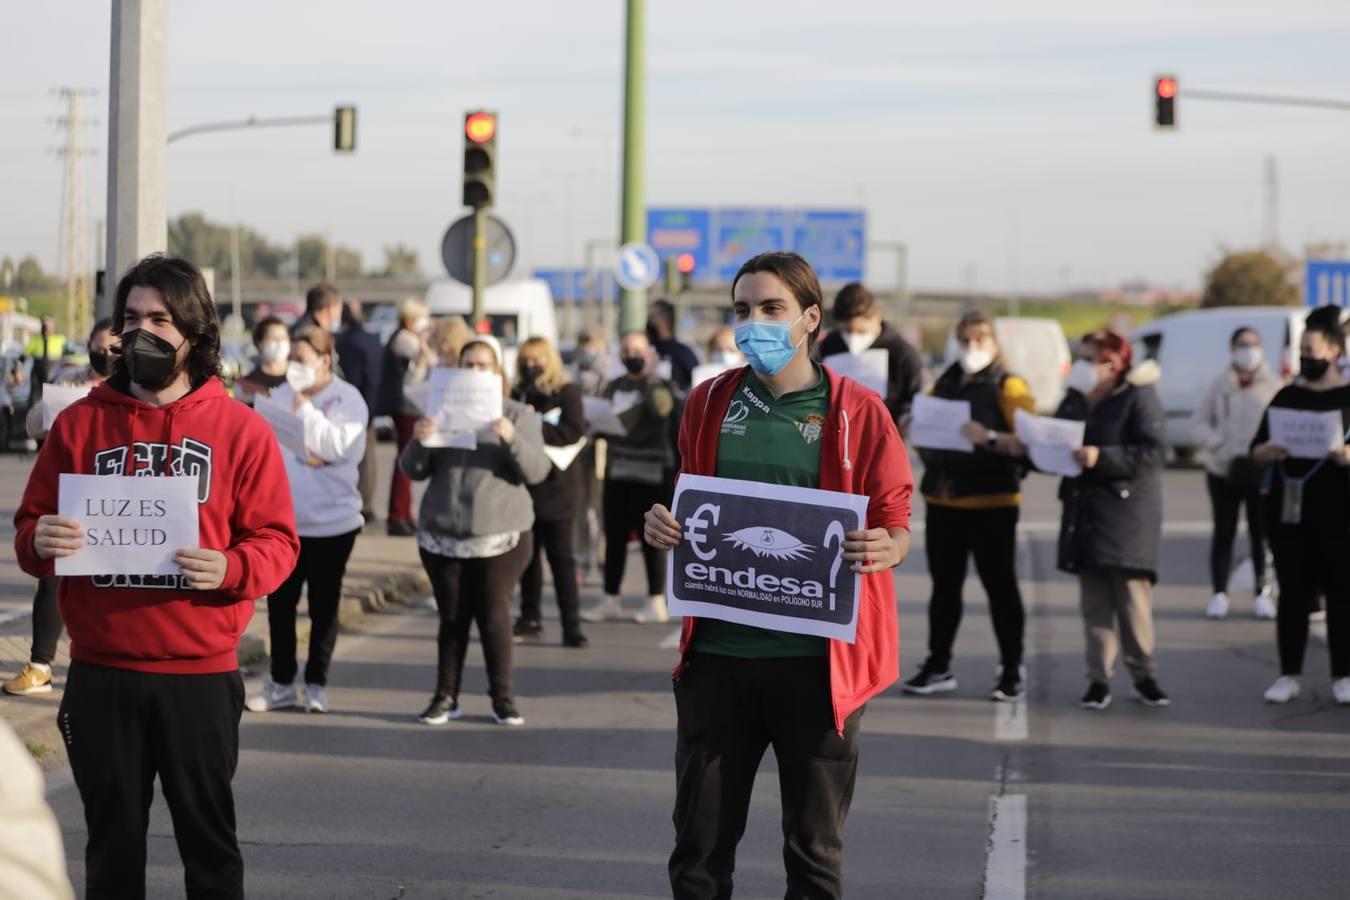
480, 158
1164, 101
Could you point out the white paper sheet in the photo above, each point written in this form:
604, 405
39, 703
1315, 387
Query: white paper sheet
935, 424
56, 397
1306, 435
1051, 442
462, 401
601, 416
285, 424
709, 370
870, 368
563, 457
134, 526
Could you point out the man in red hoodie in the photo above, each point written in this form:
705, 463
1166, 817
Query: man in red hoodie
154, 685
739, 689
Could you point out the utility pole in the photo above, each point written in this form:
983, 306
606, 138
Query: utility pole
74, 250
1271, 238
633, 222
903, 306
136, 138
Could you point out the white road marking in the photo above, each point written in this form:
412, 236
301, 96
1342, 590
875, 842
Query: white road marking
1005, 869
1010, 720
671, 641
15, 615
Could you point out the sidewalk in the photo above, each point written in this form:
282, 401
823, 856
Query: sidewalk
382, 570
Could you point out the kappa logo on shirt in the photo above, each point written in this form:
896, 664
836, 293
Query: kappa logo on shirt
186, 458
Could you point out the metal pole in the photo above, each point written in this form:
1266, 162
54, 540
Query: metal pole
236, 301
479, 263
633, 221
903, 302
250, 122
136, 138
1273, 99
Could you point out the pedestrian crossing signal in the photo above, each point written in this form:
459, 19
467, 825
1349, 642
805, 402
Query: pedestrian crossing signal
480, 158
1164, 101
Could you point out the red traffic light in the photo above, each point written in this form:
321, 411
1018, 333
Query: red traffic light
1167, 88
480, 127
685, 263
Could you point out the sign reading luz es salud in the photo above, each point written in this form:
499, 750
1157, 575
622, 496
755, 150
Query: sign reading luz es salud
765, 555
133, 526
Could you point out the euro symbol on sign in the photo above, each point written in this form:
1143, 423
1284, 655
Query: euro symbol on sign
693, 530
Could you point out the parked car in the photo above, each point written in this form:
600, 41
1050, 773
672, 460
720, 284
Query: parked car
1035, 349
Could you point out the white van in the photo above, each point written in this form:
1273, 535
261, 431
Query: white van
515, 310
1034, 349
1193, 347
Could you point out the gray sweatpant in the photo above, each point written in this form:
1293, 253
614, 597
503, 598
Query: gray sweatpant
1117, 599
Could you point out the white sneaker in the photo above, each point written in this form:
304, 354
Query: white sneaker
1218, 606
1317, 615
316, 698
272, 696
1263, 605
611, 607
1340, 689
654, 613
1286, 688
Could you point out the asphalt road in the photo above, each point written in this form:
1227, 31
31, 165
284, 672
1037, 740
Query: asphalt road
1217, 796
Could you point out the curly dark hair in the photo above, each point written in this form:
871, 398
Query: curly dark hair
194, 314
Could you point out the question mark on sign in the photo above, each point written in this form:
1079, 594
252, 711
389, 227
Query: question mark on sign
836, 530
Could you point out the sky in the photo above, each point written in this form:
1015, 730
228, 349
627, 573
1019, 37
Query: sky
1009, 145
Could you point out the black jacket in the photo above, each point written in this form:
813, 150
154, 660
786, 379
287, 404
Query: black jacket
557, 496
359, 355
389, 397
905, 377
1113, 512
948, 473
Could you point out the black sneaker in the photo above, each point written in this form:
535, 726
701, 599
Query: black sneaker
441, 710
504, 712
1098, 696
1147, 692
1009, 686
527, 630
930, 681
575, 639
400, 529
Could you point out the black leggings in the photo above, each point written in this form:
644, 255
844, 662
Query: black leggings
476, 590
1226, 502
1309, 558
990, 536
322, 563
626, 503
552, 537
46, 621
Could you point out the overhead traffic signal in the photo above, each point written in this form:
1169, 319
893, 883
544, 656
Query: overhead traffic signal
480, 158
344, 129
1164, 101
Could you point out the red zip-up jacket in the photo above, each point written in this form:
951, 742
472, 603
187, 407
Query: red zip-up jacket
860, 453
154, 623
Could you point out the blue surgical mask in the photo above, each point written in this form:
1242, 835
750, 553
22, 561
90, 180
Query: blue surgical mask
767, 346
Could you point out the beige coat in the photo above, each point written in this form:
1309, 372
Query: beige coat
1229, 415
32, 861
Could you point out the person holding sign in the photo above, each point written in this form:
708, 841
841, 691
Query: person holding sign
154, 686
1111, 523
860, 329
636, 476
36, 677
543, 386
973, 502
739, 689
474, 536
326, 493
1307, 508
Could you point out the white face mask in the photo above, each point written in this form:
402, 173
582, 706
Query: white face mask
336, 325
274, 351
858, 342
1247, 359
301, 377
421, 325
1082, 377
976, 359
727, 358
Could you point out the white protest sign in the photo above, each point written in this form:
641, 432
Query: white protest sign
602, 417
562, 457
56, 397
133, 526
935, 424
461, 400
285, 424
766, 555
870, 368
1306, 435
1051, 442
704, 371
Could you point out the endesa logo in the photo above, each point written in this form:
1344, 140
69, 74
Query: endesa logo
763, 541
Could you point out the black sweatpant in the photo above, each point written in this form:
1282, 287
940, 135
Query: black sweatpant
552, 538
626, 505
123, 728
729, 711
46, 621
1225, 502
322, 563
476, 590
990, 536
1309, 559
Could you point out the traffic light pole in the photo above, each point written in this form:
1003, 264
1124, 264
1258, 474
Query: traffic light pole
1268, 99
479, 264
633, 308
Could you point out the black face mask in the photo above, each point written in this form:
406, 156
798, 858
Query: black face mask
151, 361
1312, 368
531, 373
634, 364
98, 361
